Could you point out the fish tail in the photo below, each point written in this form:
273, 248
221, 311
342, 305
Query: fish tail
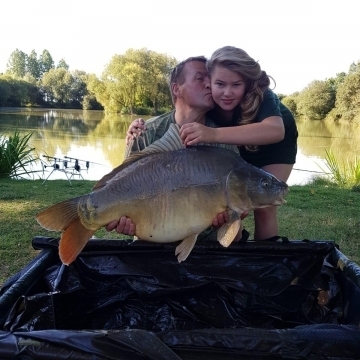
59, 216
73, 240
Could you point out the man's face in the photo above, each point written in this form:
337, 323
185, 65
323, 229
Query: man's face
195, 91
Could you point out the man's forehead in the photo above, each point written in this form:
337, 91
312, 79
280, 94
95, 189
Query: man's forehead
193, 67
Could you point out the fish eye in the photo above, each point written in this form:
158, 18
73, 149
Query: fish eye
265, 182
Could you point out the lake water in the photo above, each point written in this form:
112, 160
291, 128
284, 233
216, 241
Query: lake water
97, 141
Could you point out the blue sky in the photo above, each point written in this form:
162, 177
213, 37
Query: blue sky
295, 41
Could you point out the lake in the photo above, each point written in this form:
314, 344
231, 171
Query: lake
97, 142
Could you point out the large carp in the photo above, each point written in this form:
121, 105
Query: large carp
170, 192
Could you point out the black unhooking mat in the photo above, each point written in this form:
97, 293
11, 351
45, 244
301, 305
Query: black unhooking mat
133, 300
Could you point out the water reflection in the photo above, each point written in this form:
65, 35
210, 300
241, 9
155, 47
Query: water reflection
99, 138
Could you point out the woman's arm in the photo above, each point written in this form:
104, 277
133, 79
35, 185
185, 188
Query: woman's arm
269, 131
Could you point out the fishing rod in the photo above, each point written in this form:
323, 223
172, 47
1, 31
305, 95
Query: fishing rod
85, 161
313, 171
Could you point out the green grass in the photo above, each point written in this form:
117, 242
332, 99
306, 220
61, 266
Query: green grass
320, 211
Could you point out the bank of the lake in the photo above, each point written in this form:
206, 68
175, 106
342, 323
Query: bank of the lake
317, 211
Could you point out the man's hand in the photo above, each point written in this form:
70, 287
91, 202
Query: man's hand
123, 226
194, 133
136, 128
223, 217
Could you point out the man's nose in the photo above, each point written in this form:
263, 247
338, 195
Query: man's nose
207, 83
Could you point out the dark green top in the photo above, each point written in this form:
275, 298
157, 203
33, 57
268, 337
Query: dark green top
283, 152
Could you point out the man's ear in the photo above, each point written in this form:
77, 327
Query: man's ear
176, 90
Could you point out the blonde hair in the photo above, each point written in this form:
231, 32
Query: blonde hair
256, 80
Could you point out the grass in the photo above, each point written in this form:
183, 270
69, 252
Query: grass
319, 211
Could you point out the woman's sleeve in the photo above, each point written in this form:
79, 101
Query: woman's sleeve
270, 106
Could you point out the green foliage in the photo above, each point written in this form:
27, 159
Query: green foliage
62, 64
348, 97
62, 89
291, 103
316, 100
17, 63
16, 92
137, 78
345, 175
46, 62
32, 66
354, 67
5, 90
15, 155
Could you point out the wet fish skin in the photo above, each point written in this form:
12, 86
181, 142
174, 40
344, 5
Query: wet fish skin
170, 196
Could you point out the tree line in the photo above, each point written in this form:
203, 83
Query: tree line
333, 99
137, 82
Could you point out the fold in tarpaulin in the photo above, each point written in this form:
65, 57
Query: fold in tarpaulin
133, 300
302, 342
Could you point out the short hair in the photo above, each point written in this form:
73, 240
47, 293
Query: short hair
177, 73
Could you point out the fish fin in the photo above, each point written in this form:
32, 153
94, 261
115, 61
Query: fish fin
58, 217
227, 232
170, 141
184, 248
236, 194
73, 240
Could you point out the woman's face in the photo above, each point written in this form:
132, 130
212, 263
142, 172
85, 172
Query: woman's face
227, 88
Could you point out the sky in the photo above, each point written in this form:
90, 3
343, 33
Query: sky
295, 41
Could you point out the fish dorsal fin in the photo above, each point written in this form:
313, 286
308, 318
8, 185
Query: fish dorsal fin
170, 141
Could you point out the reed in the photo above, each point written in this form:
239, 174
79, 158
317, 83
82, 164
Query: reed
344, 174
16, 156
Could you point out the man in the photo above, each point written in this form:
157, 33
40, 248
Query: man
192, 99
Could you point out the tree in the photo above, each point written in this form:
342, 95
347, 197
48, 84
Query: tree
32, 65
290, 102
137, 78
46, 62
78, 88
62, 64
316, 100
17, 63
354, 67
56, 86
5, 91
348, 97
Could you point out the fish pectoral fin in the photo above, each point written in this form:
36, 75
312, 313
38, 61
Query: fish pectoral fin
184, 248
227, 233
73, 240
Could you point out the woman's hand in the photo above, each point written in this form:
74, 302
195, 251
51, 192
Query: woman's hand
194, 133
136, 128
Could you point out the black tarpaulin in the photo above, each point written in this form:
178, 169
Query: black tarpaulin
133, 300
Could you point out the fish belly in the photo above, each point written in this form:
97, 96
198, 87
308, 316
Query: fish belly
169, 216
174, 216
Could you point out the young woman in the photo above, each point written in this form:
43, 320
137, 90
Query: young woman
251, 116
